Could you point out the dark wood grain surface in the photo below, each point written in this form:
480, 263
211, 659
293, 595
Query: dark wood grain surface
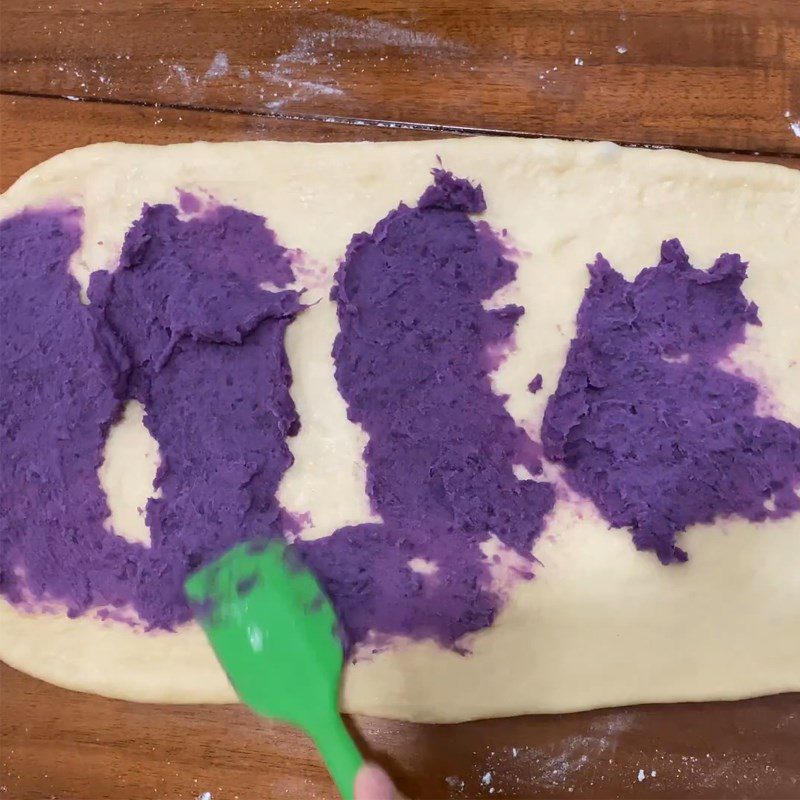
68, 746
719, 74
715, 75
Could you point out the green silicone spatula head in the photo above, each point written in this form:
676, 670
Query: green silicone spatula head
273, 630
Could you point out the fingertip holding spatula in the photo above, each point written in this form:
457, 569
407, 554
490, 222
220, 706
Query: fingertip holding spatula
274, 631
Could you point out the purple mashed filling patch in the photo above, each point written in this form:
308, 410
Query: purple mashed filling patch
183, 327
411, 362
647, 424
59, 394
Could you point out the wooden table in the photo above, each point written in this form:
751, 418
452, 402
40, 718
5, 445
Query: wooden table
721, 76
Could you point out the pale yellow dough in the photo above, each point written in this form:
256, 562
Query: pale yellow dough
601, 624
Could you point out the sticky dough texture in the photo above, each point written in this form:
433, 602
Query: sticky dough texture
601, 624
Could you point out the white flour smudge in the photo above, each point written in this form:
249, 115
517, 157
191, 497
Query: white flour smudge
219, 66
302, 68
795, 128
621, 49
289, 70
181, 73
615, 722
300, 89
370, 33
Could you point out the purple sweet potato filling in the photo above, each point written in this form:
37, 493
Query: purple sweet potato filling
412, 364
60, 387
183, 327
647, 423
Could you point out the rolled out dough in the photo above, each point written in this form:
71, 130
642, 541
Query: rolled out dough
601, 624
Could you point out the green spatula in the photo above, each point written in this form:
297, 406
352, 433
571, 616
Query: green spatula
273, 631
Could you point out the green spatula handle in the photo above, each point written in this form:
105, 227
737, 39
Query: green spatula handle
339, 753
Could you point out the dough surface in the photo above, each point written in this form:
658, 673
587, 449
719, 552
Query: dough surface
601, 624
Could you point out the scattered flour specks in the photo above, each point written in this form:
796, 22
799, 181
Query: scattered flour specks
578, 62
591, 762
548, 77
551, 767
621, 49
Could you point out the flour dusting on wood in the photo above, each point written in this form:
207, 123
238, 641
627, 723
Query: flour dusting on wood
612, 749
310, 68
219, 66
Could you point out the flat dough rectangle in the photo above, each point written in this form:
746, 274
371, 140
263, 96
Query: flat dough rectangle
601, 624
